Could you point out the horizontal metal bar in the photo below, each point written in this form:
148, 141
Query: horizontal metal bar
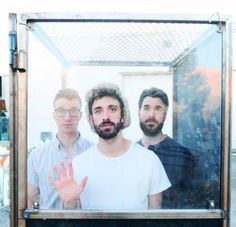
119, 63
124, 17
147, 214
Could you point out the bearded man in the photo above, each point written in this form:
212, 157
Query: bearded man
177, 160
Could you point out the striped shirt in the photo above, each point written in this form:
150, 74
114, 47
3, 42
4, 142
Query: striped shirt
40, 163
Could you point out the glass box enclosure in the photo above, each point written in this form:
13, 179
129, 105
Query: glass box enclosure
187, 56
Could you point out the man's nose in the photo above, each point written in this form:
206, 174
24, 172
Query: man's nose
152, 112
106, 115
67, 115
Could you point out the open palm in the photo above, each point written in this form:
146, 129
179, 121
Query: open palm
68, 190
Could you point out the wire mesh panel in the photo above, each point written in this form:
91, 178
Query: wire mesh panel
121, 43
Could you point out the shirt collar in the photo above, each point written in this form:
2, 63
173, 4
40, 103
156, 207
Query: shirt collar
59, 144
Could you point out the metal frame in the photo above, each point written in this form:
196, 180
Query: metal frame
18, 116
145, 214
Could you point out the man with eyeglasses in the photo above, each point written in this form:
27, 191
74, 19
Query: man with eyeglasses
64, 147
115, 173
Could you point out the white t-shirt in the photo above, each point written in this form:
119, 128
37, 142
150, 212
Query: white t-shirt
122, 182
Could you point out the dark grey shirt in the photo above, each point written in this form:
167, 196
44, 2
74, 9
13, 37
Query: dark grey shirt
179, 164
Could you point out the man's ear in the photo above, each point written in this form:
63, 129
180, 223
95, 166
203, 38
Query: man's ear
165, 114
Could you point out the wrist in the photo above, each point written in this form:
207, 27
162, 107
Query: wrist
70, 205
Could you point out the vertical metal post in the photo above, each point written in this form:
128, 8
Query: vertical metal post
227, 121
18, 116
21, 95
13, 118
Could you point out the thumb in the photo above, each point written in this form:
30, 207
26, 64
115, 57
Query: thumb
83, 182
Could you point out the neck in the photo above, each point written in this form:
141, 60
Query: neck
114, 147
68, 140
147, 140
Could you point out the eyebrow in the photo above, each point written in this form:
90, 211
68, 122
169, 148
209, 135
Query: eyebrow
109, 106
146, 105
156, 106
113, 106
96, 108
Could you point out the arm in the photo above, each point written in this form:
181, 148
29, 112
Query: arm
33, 192
68, 190
33, 195
155, 201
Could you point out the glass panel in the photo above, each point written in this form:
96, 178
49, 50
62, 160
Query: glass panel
198, 118
134, 56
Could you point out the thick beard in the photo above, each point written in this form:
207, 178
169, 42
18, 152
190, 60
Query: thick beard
106, 135
151, 132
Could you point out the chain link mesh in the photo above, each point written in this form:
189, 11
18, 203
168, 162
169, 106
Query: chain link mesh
121, 43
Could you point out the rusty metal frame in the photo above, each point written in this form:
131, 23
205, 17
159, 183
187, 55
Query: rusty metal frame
18, 128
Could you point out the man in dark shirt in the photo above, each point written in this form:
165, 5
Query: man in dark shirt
177, 160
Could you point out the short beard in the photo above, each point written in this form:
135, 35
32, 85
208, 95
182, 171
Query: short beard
106, 135
151, 132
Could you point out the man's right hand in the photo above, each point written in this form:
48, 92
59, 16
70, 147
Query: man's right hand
68, 190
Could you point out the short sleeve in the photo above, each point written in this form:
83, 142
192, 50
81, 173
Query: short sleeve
159, 179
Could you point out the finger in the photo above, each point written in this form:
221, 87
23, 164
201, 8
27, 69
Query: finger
83, 182
51, 180
57, 172
63, 169
70, 169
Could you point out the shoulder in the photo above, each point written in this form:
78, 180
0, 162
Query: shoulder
86, 154
85, 143
175, 150
174, 144
170, 141
140, 148
146, 158
144, 152
42, 148
41, 153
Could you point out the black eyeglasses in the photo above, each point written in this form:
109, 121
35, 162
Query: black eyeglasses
74, 112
